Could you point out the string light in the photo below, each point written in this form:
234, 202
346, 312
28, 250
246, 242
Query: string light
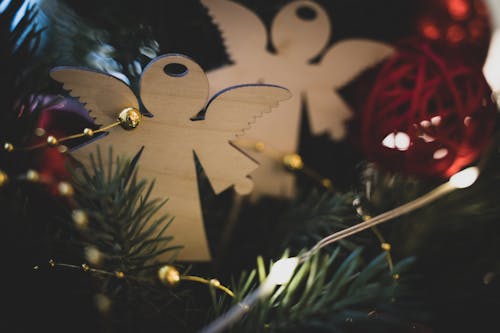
462, 179
281, 273
465, 178
286, 267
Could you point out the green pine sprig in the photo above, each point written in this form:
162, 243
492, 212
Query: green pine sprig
329, 294
123, 221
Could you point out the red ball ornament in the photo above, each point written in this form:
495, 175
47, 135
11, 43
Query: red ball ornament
456, 26
426, 115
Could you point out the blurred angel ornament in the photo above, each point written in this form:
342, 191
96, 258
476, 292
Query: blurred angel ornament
300, 33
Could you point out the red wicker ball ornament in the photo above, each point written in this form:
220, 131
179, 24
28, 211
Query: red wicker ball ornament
460, 25
427, 116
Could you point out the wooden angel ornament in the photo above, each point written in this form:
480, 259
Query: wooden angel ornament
299, 33
174, 89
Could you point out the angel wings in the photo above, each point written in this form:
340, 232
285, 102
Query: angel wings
175, 90
299, 33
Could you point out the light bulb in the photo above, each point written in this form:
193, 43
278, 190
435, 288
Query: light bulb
282, 271
464, 178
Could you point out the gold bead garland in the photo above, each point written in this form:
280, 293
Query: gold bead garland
170, 276
128, 118
292, 162
167, 274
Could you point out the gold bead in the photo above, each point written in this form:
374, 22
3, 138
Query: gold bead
93, 255
3, 178
129, 118
103, 303
8, 147
488, 278
52, 141
169, 275
52, 263
65, 189
88, 132
293, 162
39, 131
120, 275
80, 218
215, 283
32, 176
385, 246
327, 183
260, 146
62, 149
85, 267
396, 276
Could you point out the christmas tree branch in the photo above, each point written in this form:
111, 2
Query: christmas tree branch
325, 293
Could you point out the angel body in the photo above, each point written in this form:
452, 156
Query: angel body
171, 138
297, 40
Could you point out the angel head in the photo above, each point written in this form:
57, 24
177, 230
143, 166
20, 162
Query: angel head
173, 88
176, 82
301, 29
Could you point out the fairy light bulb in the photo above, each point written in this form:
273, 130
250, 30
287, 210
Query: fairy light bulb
282, 271
464, 178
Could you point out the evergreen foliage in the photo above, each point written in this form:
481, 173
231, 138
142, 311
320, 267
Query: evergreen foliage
328, 294
17, 55
446, 253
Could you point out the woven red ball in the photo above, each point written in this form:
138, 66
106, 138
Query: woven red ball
426, 115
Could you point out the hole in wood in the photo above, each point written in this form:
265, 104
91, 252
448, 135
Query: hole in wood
306, 13
175, 70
